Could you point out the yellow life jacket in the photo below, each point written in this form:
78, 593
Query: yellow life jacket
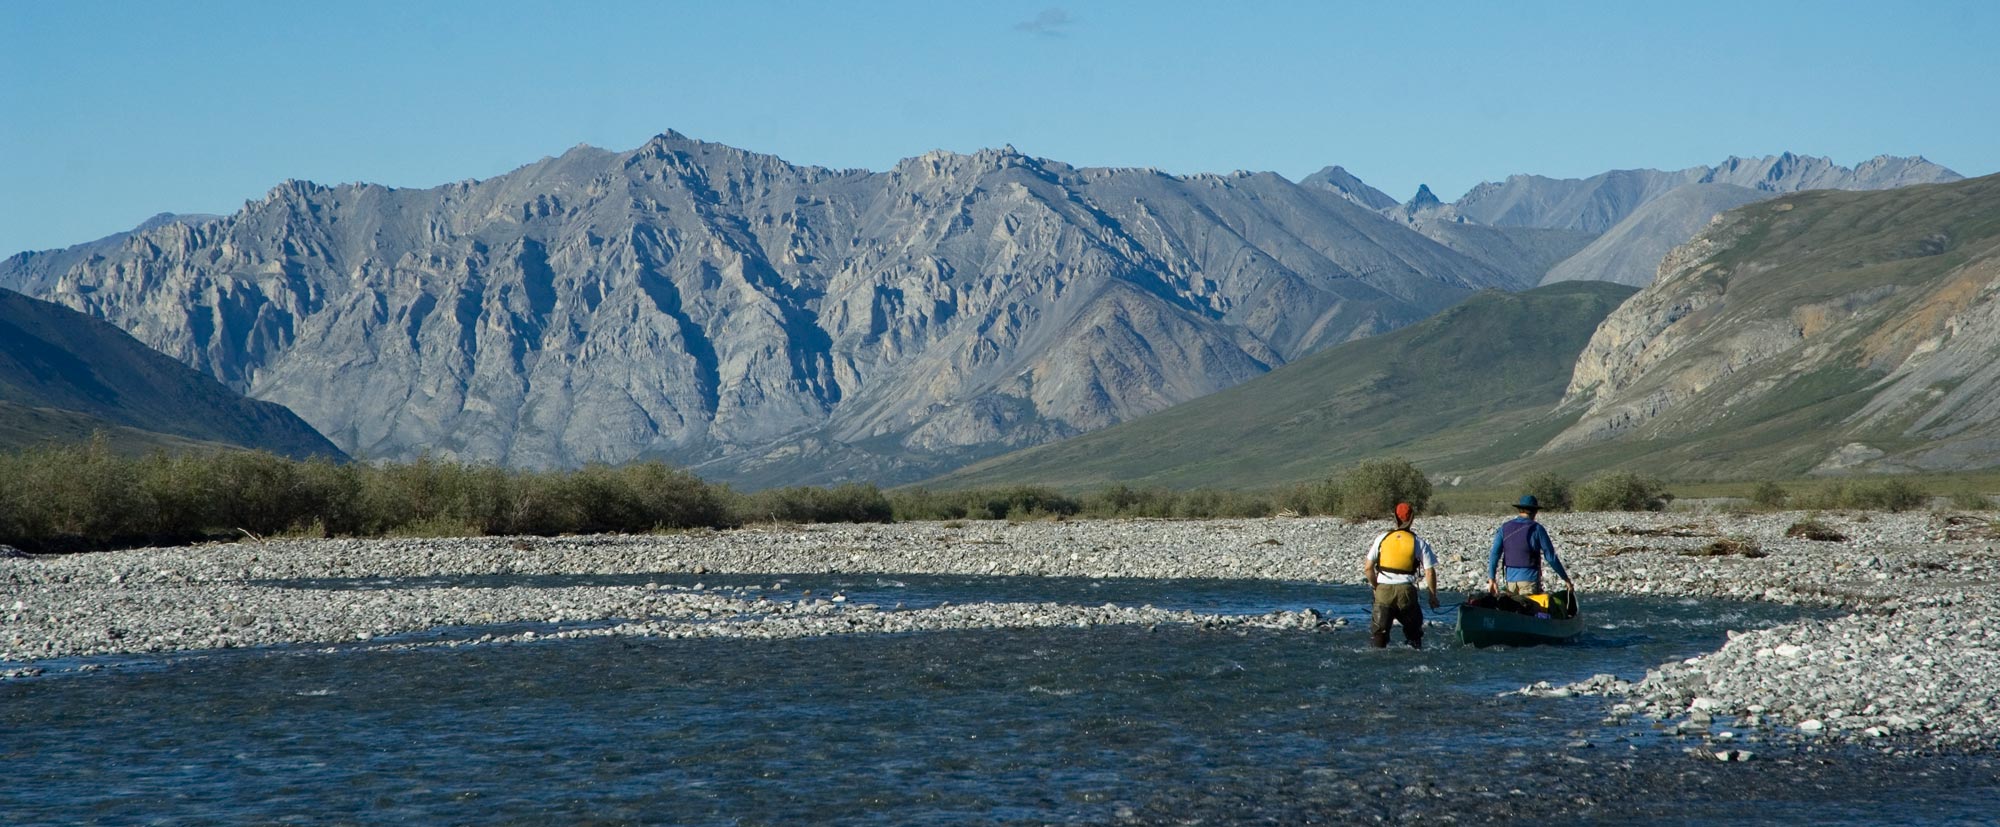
1398, 553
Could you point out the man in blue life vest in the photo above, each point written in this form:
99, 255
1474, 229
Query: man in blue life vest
1522, 544
1394, 561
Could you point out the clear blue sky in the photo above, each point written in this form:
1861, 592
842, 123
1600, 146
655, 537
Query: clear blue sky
113, 111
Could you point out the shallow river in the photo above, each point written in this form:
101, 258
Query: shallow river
1107, 725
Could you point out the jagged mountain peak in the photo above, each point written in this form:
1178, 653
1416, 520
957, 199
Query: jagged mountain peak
1423, 200
673, 139
167, 218
764, 321
1597, 203
671, 144
983, 160
294, 188
1349, 186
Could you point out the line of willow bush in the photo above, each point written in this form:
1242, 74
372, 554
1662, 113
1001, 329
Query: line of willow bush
1367, 490
1891, 494
80, 497
83, 497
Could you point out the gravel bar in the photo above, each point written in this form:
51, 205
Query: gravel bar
1912, 660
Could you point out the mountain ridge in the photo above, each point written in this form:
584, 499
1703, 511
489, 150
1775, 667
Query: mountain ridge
1824, 332
771, 323
64, 375
763, 321
1872, 316
1414, 392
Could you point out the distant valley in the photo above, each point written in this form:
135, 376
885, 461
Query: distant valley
1471, 387
1822, 332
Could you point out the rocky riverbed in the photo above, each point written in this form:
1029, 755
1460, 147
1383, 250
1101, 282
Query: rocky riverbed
1910, 661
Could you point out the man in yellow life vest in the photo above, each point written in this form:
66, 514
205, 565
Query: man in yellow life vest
1395, 560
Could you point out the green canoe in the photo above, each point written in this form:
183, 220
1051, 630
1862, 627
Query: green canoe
1482, 626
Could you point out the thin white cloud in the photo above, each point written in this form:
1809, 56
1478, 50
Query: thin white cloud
1052, 22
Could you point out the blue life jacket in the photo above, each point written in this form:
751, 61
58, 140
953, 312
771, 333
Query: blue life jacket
1515, 550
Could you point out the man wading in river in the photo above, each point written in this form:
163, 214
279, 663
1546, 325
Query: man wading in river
1394, 561
1523, 544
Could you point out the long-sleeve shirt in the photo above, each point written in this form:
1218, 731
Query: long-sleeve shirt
1538, 537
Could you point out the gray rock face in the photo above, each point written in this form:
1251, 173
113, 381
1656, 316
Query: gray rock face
1525, 253
1874, 316
1598, 203
1795, 173
1424, 201
1591, 205
1638, 215
764, 322
1630, 252
1353, 189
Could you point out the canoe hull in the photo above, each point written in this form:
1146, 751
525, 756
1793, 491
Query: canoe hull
1494, 627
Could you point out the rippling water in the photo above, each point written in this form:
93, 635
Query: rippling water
1104, 725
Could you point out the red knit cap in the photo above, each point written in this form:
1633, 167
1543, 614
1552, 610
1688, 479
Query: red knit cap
1404, 512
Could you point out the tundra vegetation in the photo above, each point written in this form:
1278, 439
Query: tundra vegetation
1623, 492
89, 496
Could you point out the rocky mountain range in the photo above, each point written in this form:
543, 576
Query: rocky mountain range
1629, 219
761, 321
770, 323
1470, 387
1821, 332
65, 376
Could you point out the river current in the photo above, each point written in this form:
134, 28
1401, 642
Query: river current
1170, 725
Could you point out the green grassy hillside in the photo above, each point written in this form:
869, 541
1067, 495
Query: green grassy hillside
62, 372
1470, 387
1833, 332
23, 427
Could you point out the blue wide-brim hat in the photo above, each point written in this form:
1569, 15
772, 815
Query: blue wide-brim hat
1529, 502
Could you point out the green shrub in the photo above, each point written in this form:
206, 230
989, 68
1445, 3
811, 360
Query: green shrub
1246, 505
1126, 501
924, 504
73, 498
1199, 504
1768, 494
1372, 489
333, 491
1622, 492
435, 527
1892, 494
1971, 501
1209, 504
257, 492
851, 503
1887, 495
1029, 501
1018, 502
673, 498
80, 497
178, 490
1551, 489
1827, 496
1312, 498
